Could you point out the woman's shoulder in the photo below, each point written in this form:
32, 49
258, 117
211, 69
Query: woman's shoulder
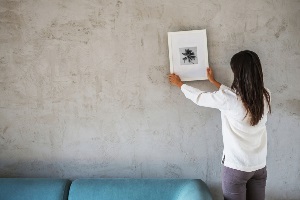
229, 92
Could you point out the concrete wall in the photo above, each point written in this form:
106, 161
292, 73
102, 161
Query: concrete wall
84, 89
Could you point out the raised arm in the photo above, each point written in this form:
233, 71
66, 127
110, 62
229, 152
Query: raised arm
215, 99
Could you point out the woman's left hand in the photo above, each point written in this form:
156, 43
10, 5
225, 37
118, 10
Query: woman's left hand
175, 80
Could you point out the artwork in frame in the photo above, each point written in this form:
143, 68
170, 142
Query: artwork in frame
188, 54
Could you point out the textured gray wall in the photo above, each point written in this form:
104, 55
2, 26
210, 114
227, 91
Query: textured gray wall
84, 89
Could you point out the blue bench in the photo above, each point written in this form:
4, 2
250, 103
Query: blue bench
34, 189
103, 189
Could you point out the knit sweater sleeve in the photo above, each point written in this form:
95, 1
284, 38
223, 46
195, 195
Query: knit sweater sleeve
215, 99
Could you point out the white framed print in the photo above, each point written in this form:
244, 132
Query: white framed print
188, 54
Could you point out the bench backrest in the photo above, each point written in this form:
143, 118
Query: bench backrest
137, 189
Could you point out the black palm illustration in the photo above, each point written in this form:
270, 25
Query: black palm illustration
190, 55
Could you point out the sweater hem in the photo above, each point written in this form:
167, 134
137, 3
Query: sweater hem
243, 168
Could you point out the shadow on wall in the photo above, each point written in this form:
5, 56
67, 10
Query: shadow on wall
89, 168
70, 169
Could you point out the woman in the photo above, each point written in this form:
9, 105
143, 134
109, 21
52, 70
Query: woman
244, 107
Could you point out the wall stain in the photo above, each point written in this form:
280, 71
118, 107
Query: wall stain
5, 129
11, 25
281, 28
276, 26
73, 30
282, 88
173, 170
3, 132
10, 5
293, 106
270, 23
158, 74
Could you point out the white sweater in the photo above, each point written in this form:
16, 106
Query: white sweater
245, 146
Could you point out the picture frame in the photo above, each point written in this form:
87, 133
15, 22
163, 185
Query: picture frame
188, 54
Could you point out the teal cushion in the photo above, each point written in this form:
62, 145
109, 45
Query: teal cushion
33, 189
137, 189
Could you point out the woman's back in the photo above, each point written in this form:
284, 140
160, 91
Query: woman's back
245, 146
238, 111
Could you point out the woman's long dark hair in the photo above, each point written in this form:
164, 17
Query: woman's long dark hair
249, 85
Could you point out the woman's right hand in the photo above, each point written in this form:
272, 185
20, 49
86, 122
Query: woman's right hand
210, 75
211, 78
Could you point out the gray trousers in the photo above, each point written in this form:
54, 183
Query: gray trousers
242, 185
